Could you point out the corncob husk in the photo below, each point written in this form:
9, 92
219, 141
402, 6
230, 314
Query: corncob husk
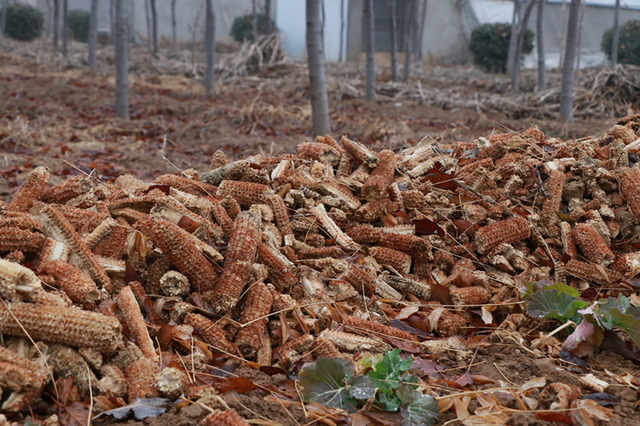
256, 308
133, 317
223, 418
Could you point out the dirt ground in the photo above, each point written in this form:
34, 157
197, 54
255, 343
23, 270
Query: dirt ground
60, 114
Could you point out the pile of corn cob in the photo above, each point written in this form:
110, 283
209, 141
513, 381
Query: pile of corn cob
131, 287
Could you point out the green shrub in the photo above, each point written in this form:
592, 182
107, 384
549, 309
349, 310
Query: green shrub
628, 43
242, 28
79, 25
490, 46
23, 22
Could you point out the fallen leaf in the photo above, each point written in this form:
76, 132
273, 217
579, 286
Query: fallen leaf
238, 384
407, 311
536, 382
487, 317
141, 409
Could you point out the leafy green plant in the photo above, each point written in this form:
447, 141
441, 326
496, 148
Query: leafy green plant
562, 303
79, 25
242, 27
23, 22
628, 43
330, 382
490, 46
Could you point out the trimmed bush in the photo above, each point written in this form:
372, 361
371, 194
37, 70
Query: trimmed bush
628, 43
490, 46
79, 25
242, 28
24, 22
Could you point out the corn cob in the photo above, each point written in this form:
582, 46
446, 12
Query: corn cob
314, 240
232, 171
130, 185
589, 272
20, 220
415, 287
256, 308
173, 283
359, 152
323, 348
361, 326
221, 216
133, 317
17, 282
223, 418
474, 295
71, 188
630, 188
592, 245
365, 234
552, 204
381, 177
67, 362
245, 193
360, 280
322, 252
398, 260
417, 247
30, 190
58, 227
352, 342
180, 249
450, 324
185, 184
15, 257
340, 192
141, 378
504, 232
25, 378
112, 381
282, 276
332, 229
231, 206
281, 217
211, 333
568, 240
115, 246
75, 283
71, 327
320, 152
12, 238
329, 140
171, 382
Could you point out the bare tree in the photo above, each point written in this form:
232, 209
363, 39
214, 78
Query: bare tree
317, 79
371, 50
423, 18
563, 32
513, 39
3, 18
616, 34
154, 26
56, 22
566, 92
583, 8
267, 14
174, 35
210, 46
93, 33
542, 70
147, 15
522, 29
393, 24
122, 64
341, 29
254, 21
65, 26
112, 16
408, 36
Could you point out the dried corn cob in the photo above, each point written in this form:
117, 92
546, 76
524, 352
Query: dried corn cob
398, 260
281, 217
318, 151
130, 185
417, 247
332, 229
231, 171
245, 193
450, 324
568, 240
133, 317
470, 295
24, 377
30, 190
68, 326
351, 342
365, 234
415, 287
381, 177
76, 284
185, 184
21, 221
12, 238
322, 252
58, 227
314, 240
359, 152
68, 363
180, 249
173, 283
593, 273
17, 283
256, 308
99, 232
592, 245
112, 381
361, 281
211, 333
71, 188
340, 192
171, 382
231, 206
504, 232
359, 325
141, 378
630, 188
278, 268
323, 348
223, 418
552, 204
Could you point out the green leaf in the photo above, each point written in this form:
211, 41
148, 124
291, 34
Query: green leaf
362, 388
389, 401
619, 313
558, 301
325, 382
421, 410
386, 374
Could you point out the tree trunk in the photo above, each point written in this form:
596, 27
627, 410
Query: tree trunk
148, 18
56, 23
616, 34
513, 39
112, 15
3, 18
563, 32
267, 14
542, 70
322, 24
393, 23
522, 28
122, 64
174, 35
65, 27
341, 30
93, 33
154, 26
408, 40
371, 50
254, 21
423, 18
566, 92
318, 82
48, 21
583, 8
210, 47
